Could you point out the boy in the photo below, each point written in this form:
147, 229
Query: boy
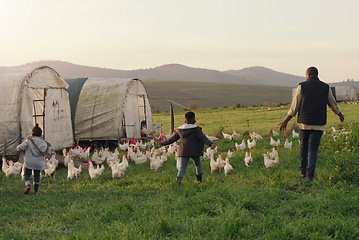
191, 145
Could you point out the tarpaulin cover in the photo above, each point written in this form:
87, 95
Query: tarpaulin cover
28, 92
110, 108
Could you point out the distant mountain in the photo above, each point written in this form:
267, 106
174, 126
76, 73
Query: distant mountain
266, 76
177, 72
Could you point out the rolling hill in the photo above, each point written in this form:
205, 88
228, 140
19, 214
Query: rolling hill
177, 72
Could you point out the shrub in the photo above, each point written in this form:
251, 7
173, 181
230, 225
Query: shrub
192, 105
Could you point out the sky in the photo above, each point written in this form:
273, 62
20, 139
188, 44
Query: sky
284, 35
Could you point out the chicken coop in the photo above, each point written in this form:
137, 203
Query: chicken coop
32, 96
109, 108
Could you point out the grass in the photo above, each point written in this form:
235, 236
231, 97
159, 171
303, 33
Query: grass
208, 95
251, 203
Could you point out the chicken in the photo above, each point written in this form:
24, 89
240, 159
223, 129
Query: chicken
248, 158
155, 163
67, 158
228, 169
220, 160
208, 152
268, 162
123, 147
275, 133
53, 160
273, 142
228, 136
242, 146
72, 172
96, 158
274, 153
287, 144
5, 166
85, 153
13, 171
255, 135
140, 159
75, 152
213, 164
119, 169
94, 172
211, 138
294, 134
51, 169
236, 135
230, 153
252, 144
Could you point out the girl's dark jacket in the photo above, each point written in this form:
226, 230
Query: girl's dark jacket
192, 140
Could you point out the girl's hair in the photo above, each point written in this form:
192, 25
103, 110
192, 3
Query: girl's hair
36, 131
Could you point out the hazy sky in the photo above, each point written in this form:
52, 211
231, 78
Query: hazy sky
284, 35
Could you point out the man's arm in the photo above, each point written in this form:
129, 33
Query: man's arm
334, 106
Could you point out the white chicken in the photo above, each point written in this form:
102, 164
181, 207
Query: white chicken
228, 169
227, 136
211, 138
220, 160
274, 153
140, 159
75, 152
236, 135
248, 160
72, 172
242, 146
119, 169
96, 158
51, 169
5, 166
155, 163
53, 160
252, 144
273, 142
255, 135
295, 134
85, 153
124, 146
275, 133
269, 162
13, 171
94, 172
67, 158
287, 144
214, 165
230, 153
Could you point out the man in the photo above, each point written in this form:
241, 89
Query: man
310, 102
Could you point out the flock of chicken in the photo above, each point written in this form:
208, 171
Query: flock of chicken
141, 153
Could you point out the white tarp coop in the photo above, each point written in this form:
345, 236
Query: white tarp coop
32, 96
109, 108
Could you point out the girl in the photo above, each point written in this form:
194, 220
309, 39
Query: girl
35, 150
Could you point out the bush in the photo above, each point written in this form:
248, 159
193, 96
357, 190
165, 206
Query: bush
192, 105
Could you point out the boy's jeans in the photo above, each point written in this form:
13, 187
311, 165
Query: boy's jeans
27, 175
184, 163
309, 144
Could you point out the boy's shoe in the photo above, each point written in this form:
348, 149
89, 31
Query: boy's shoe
27, 190
199, 178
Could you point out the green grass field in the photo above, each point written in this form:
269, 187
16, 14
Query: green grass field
208, 95
251, 203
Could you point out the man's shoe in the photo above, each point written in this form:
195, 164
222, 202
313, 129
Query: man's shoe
27, 190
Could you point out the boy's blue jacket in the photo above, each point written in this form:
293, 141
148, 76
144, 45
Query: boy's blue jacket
192, 140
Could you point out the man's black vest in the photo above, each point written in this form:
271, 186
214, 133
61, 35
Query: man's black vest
313, 106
